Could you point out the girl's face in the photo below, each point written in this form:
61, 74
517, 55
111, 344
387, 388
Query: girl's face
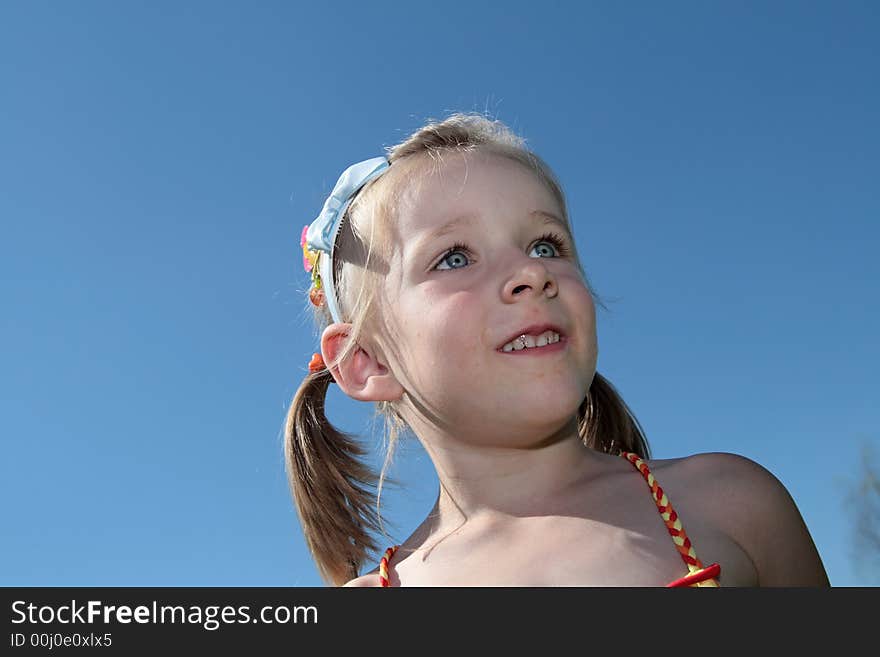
457, 307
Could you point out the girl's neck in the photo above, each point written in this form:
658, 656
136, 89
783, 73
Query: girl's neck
495, 485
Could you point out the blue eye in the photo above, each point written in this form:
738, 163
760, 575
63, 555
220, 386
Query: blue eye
555, 239
458, 248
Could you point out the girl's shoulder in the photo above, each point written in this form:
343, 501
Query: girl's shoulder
368, 580
734, 491
717, 471
753, 507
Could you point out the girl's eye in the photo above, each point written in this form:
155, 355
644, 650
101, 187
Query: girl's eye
555, 239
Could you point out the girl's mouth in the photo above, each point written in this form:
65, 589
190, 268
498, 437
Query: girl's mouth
550, 348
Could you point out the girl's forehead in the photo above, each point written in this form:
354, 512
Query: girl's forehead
472, 187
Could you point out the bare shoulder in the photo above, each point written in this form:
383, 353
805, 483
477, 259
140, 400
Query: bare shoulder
370, 579
751, 505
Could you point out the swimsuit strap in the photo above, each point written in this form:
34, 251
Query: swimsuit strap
698, 575
383, 565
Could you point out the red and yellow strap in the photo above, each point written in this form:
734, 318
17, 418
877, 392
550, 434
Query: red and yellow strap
699, 575
383, 565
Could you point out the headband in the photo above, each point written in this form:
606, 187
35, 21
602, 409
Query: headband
318, 239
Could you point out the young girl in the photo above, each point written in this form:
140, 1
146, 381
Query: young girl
448, 289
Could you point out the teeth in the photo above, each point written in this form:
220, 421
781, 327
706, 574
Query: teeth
530, 341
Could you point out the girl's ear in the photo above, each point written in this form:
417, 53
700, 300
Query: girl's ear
361, 376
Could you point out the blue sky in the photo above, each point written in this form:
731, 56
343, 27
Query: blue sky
158, 164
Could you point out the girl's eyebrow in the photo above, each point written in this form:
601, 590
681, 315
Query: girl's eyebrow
550, 218
430, 236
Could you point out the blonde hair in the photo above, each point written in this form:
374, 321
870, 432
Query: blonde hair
330, 483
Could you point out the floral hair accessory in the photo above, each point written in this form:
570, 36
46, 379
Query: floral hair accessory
309, 257
310, 264
317, 363
318, 239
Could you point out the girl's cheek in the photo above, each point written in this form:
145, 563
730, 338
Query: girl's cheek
464, 305
447, 297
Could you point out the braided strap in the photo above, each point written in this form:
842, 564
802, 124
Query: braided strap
383, 566
699, 575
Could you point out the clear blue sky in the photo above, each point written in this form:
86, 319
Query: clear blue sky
158, 163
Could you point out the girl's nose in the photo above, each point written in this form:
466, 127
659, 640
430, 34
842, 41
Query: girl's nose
533, 277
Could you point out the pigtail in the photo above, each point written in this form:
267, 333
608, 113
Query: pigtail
330, 484
607, 424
